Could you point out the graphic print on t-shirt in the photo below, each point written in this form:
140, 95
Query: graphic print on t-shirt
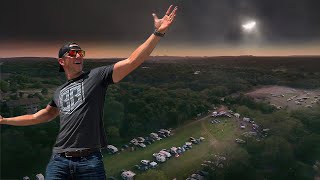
71, 97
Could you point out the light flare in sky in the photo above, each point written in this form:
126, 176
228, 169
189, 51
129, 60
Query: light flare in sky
249, 26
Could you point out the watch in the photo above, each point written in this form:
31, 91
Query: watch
157, 33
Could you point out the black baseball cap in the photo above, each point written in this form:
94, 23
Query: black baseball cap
66, 48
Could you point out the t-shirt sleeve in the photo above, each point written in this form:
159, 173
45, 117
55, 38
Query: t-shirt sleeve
105, 73
52, 103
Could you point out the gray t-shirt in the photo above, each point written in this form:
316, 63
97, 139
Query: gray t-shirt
81, 102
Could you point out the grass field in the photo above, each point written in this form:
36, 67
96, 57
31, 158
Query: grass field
217, 137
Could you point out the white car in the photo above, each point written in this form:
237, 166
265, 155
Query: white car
112, 149
240, 141
159, 157
145, 162
142, 145
153, 164
165, 153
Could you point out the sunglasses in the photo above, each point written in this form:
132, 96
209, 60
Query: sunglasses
73, 53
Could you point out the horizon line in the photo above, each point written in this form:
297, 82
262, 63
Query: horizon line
205, 56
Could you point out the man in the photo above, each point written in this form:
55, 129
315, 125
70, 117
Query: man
79, 102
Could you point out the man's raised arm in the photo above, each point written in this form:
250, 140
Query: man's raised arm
44, 115
124, 67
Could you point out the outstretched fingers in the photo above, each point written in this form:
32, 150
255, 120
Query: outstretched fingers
173, 13
169, 10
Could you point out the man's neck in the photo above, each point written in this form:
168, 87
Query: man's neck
72, 76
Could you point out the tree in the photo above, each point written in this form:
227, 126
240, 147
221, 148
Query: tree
113, 132
44, 91
18, 111
4, 86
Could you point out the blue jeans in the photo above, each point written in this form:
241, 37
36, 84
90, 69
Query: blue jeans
89, 167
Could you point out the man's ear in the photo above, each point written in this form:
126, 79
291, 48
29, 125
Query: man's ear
61, 61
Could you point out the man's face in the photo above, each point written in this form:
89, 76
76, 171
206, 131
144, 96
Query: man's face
73, 63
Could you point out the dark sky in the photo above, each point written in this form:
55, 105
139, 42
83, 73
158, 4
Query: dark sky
198, 21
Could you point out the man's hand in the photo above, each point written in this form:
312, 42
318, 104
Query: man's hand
123, 68
161, 25
43, 115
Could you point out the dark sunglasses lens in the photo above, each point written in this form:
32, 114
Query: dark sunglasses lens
72, 53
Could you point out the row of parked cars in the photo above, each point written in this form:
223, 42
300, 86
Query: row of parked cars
161, 157
142, 142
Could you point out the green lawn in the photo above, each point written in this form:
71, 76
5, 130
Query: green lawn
188, 162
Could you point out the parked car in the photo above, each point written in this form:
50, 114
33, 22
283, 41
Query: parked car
133, 141
240, 141
188, 145
167, 132
180, 150
140, 139
165, 153
197, 176
112, 149
153, 165
195, 141
160, 157
145, 162
141, 167
173, 150
185, 147
127, 175
155, 136
162, 135
39, 176
141, 145
149, 139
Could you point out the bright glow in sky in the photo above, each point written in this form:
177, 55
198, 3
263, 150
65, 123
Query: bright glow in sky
249, 26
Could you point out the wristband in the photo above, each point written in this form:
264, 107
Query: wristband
157, 33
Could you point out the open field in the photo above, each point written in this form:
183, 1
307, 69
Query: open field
286, 97
217, 137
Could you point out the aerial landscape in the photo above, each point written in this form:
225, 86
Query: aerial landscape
255, 114
160, 90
